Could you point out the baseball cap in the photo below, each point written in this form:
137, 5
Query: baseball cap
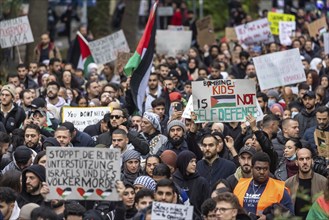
38, 103
247, 149
69, 125
310, 94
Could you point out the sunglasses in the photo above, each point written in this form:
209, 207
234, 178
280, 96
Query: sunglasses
116, 116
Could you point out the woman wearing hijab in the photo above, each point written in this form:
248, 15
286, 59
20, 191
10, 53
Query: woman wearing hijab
187, 178
131, 167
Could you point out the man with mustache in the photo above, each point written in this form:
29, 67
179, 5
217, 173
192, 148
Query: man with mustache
52, 95
244, 171
259, 192
306, 185
32, 137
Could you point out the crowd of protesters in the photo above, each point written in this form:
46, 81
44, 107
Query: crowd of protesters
229, 170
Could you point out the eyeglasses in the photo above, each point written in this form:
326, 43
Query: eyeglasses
116, 116
221, 210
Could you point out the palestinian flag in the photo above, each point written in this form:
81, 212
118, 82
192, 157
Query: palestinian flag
139, 65
221, 101
86, 56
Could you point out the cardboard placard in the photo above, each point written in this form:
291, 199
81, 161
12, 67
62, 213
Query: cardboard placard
83, 173
164, 211
206, 34
275, 18
322, 142
279, 69
173, 42
230, 34
105, 50
81, 117
15, 32
224, 100
317, 27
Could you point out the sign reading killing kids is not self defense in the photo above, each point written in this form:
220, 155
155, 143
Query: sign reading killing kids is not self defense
82, 173
164, 211
224, 100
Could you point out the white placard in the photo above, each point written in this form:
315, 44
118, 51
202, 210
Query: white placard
326, 43
106, 49
15, 32
173, 42
287, 30
165, 11
83, 173
178, 28
81, 117
254, 32
188, 109
224, 100
279, 69
165, 211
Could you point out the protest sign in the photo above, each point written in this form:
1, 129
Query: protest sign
224, 100
165, 211
165, 11
230, 34
188, 108
275, 18
322, 142
15, 32
106, 49
122, 60
254, 32
173, 42
317, 27
178, 28
279, 69
206, 34
81, 117
82, 173
287, 30
326, 43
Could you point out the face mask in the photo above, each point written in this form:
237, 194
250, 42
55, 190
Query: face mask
293, 157
270, 102
293, 114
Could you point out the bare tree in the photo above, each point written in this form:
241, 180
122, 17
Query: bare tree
99, 20
130, 23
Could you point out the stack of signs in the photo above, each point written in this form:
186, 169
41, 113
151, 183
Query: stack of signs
279, 69
224, 100
15, 32
206, 34
254, 32
275, 18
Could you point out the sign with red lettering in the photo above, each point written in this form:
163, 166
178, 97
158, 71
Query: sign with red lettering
15, 32
224, 100
279, 69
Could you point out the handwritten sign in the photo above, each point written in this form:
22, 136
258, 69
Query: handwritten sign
81, 117
254, 32
279, 69
189, 108
165, 211
326, 43
322, 142
287, 30
275, 18
206, 34
317, 27
81, 173
15, 32
173, 42
230, 34
106, 49
224, 100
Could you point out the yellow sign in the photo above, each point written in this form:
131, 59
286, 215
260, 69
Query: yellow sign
275, 18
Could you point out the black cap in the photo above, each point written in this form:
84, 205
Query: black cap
22, 154
38, 103
173, 73
310, 94
247, 149
69, 125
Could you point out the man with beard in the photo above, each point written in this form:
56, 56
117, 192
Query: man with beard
105, 98
24, 78
33, 71
92, 88
8, 206
177, 141
259, 192
118, 119
239, 70
99, 128
212, 167
306, 118
244, 171
11, 115
52, 95
26, 98
263, 101
34, 187
55, 66
153, 91
45, 50
322, 118
306, 185
32, 137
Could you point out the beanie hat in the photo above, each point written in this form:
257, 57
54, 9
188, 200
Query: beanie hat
10, 88
91, 67
276, 108
154, 119
26, 210
169, 157
130, 154
22, 154
38, 170
273, 93
176, 123
50, 141
175, 96
146, 181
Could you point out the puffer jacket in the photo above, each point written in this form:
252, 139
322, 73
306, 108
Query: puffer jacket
14, 118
